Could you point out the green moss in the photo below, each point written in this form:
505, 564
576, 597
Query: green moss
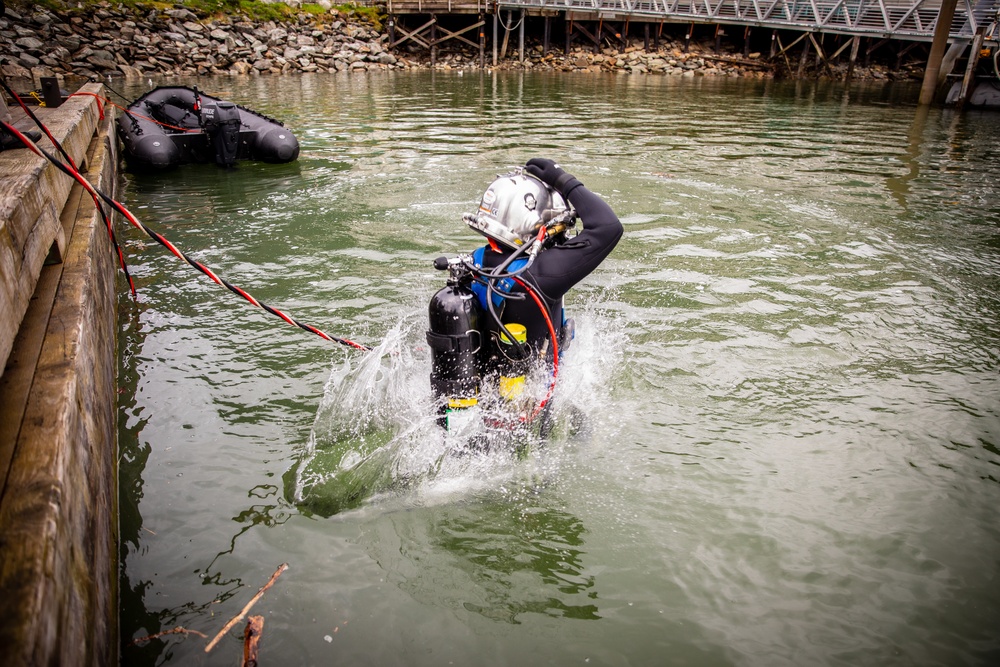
369, 14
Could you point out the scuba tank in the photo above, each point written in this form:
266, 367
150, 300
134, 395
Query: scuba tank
455, 340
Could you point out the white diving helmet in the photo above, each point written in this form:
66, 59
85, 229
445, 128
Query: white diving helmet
515, 206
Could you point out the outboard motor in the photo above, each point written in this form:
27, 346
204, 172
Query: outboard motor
455, 339
221, 121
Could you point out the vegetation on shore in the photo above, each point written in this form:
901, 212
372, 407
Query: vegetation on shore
253, 10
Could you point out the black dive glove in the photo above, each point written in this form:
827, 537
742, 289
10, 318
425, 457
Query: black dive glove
548, 172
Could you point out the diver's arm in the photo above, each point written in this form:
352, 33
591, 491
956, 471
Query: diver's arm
566, 263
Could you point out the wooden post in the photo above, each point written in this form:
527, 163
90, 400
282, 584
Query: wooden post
687, 37
746, 42
855, 45
718, 37
520, 39
970, 67
434, 46
482, 42
546, 34
941, 33
598, 35
506, 34
774, 43
803, 60
645, 37
495, 42
392, 30
569, 35
820, 55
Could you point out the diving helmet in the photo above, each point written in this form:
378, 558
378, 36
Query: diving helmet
513, 208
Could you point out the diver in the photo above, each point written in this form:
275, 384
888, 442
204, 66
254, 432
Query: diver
502, 313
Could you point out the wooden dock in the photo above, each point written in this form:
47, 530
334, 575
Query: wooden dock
417, 23
599, 24
58, 415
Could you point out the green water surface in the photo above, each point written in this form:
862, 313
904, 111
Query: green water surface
789, 368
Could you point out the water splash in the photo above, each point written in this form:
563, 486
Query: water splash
376, 439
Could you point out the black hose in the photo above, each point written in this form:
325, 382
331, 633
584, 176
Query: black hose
496, 275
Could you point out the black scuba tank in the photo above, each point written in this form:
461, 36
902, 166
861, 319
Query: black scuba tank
455, 339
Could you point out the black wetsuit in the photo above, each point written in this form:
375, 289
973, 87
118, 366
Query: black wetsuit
558, 268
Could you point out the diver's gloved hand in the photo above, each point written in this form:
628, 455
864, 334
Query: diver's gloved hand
548, 172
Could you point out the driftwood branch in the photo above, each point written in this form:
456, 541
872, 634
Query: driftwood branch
251, 640
738, 61
236, 619
175, 631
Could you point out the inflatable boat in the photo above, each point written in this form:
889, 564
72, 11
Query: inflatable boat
985, 93
173, 125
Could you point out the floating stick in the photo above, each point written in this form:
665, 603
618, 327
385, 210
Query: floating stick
239, 617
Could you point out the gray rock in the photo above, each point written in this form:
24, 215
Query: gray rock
28, 60
29, 43
181, 14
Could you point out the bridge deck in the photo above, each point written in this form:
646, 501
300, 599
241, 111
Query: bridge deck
913, 20
398, 7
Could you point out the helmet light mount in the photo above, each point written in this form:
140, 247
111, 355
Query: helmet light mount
515, 206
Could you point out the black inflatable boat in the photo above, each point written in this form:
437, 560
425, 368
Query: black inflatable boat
174, 125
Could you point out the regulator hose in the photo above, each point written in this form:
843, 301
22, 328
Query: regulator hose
492, 277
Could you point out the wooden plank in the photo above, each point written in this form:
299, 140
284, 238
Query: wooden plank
401, 7
32, 193
58, 558
15, 383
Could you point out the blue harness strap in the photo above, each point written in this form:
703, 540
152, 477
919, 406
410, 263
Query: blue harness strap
500, 287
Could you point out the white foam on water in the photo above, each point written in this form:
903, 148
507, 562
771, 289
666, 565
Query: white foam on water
376, 441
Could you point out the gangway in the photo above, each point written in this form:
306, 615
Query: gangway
974, 24
912, 20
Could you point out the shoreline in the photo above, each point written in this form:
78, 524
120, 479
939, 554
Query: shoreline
103, 40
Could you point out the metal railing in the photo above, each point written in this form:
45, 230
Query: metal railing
902, 19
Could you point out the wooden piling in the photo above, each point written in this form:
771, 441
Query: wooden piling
941, 33
969, 78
